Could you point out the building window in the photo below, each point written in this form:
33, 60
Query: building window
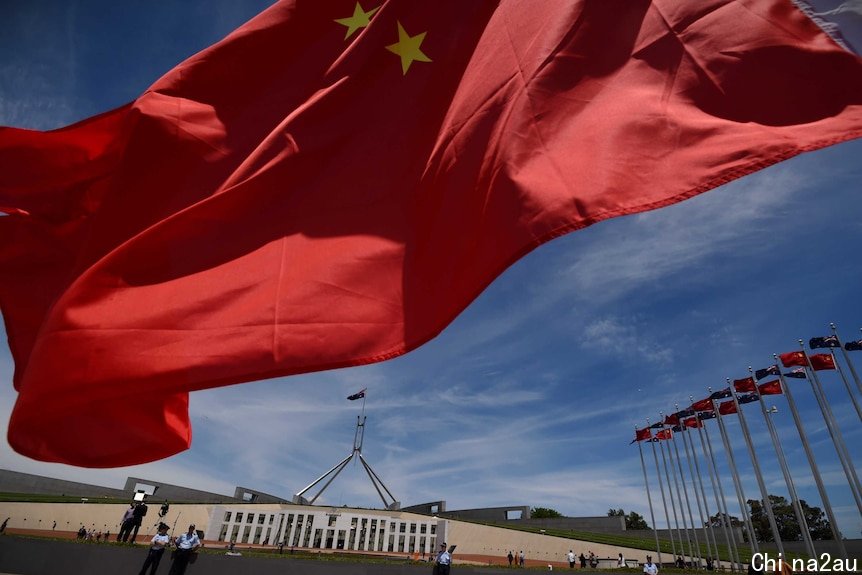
391, 543
223, 533
239, 517
257, 533
271, 518
246, 532
423, 527
433, 529
412, 528
403, 528
318, 537
298, 531
332, 519
401, 543
412, 544
250, 518
261, 518
227, 517
307, 538
234, 533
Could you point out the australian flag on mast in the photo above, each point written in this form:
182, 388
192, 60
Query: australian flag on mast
766, 371
358, 395
827, 341
853, 345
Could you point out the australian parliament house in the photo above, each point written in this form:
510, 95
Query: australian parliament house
253, 519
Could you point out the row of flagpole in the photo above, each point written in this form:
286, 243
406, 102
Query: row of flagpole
685, 541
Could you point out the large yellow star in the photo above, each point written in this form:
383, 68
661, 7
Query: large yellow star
360, 19
408, 48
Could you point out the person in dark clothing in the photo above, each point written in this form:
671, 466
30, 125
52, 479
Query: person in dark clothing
138, 518
583, 559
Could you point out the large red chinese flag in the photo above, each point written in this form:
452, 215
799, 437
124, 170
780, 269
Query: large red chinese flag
333, 183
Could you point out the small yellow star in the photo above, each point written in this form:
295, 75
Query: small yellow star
360, 19
408, 48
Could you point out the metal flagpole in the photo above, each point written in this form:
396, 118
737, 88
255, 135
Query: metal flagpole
734, 474
834, 431
847, 358
785, 471
663, 500
692, 455
671, 496
721, 512
767, 505
693, 549
815, 471
847, 386
649, 498
722, 499
694, 529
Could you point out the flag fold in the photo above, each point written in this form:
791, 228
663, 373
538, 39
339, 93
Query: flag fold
291, 200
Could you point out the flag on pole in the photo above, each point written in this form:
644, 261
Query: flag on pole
761, 373
722, 394
821, 361
358, 395
688, 412
746, 398
703, 415
853, 345
770, 388
826, 341
792, 358
284, 231
657, 425
727, 408
743, 385
797, 373
664, 434
692, 422
671, 419
642, 434
703, 405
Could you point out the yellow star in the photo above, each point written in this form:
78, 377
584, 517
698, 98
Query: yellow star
408, 48
360, 19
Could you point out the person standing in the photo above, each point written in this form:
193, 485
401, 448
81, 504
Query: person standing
157, 548
571, 558
510, 557
126, 524
521, 558
621, 562
187, 543
583, 559
650, 568
443, 563
138, 516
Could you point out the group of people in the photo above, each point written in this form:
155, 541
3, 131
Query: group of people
186, 546
92, 535
512, 557
131, 522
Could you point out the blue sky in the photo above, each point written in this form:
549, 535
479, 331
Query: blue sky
531, 396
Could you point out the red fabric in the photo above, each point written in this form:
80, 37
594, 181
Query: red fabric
693, 422
821, 361
641, 434
664, 434
793, 358
703, 405
727, 408
770, 388
744, 385
671, 420
290, 200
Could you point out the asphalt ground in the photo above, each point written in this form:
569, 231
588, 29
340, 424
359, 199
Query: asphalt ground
34, 556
